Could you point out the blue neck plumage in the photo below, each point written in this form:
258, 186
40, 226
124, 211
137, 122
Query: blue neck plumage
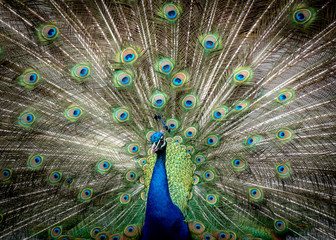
164, 220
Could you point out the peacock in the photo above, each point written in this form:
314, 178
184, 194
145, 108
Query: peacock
167, 119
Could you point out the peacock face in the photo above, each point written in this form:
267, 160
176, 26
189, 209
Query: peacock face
158, 142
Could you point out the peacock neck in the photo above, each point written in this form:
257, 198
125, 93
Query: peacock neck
158, 194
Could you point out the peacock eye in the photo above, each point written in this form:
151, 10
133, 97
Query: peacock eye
252, 141
171, 12
302, 16
5, 175
131, 176
190, 132
280, 225
285, 96
121, 115
73, 113
86, 194
179, 79
210, 42
196, 227
158, 100
241, 106
55, 177
211, 199
189, 102
256, 194
131, 230
122, 79
212, 140
133, 148
208, 175
128, 55
103, 166
49, 32
283, 170
56, 232
199, 159
285, 134
242, 75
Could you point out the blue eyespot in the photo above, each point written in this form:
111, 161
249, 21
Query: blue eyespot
144, 161
123, 116
209, 44
159, 102
32, 78
132, 175
171, 14
125, 80
76, 112
254, 192
126, 197
240, 77
278, 224
300, 16
172, 125
210, 141
211, 198
198, 226
96, 231
129, 57
218, 114
282, 97
281, 169
166, 68
198, 159
281, 134
250, 141
37, 160
51, 32
106, 165
115, 238
57, 230
29, 118
177, 81
207, 175
130, 229
83, 72
207, 237
189, 133
87, 193
238, 107
135, 148
237, 162
103, 237
189, 103
5, 173
56, 176
69, 180
222, 235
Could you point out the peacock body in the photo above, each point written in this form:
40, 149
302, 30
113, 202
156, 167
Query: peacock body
140, 119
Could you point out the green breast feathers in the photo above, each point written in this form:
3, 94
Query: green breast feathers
180, 170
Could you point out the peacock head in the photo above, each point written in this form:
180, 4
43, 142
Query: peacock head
158, 142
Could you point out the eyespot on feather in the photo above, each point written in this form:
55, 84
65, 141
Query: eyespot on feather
210, 42
35, 161
171, 12
95, 231
158, 100
196, 179
121, 115
255, 194
80, 71
252, 140
131, 176
211, 199
103, 166
27, 119
190, 150
212, 140
285, 96
302, 16
178, 139
55, 177
123, 79
283, 170
208, 175
190, 132
239, 164
179, 79
29, 79
189, 102
284, 134
242, 76
196, 227
173, 124
224, 235
219, 113
280, 226
144, 196
165, 66
131, 230
48, 32
128, 55
200, 159
103, 236
133, 148
56, 231
68, 182
125, 198
5, 174
86, 194
241, 106
73, 113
